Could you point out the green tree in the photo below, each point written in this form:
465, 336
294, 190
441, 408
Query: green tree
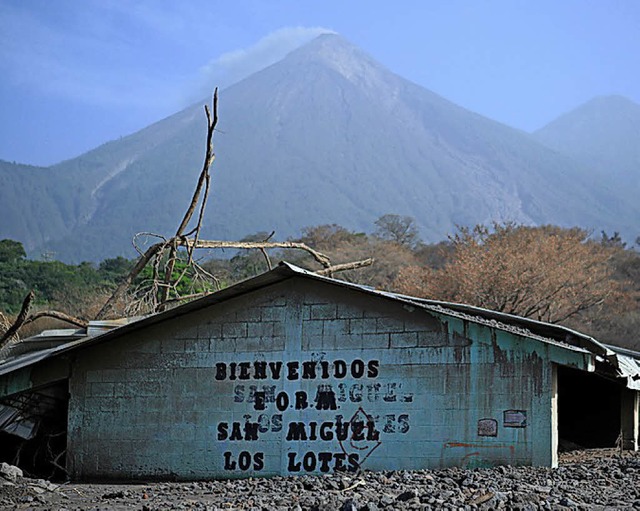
115, 269
11, 251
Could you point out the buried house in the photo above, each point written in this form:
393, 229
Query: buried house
293, 373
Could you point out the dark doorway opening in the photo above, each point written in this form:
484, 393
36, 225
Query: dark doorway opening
33, 431
588, 410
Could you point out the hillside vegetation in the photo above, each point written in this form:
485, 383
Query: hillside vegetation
546, 273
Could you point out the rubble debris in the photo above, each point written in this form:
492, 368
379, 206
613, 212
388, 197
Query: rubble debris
592, 479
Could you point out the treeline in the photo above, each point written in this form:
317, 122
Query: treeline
547, 273
73, 289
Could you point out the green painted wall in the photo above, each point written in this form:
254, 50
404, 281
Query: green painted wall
230, 391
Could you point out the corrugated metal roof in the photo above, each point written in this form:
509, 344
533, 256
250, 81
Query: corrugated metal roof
628, 365
625, 362
27, 359
49, 343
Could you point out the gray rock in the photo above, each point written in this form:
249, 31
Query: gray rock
10, 472
348, 505
407, 495
387, 500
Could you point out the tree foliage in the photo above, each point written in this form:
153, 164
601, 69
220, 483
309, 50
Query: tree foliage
71, 288
330, 236
620, 324
344, 245
11, 251
398, 229
547, 273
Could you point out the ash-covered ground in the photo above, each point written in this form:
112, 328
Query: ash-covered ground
596, 479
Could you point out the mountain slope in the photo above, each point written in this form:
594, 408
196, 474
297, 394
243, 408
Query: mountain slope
29, 203
379, 143
326, 135
72, 209
604, 135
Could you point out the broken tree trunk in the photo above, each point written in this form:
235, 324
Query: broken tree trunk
120, 291
204, 182
24, 318
17, 324
165, 254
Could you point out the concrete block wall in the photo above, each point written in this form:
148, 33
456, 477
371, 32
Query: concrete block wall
306, 377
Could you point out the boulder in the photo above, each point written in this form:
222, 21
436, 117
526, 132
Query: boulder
10, 472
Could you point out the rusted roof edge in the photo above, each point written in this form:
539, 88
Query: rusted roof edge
558, 333
565, 337
562, 336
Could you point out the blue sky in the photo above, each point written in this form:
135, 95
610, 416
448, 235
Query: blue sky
78, 73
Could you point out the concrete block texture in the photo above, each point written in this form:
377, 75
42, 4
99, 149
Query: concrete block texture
307, 378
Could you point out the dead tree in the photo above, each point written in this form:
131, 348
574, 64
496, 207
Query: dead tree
164, 255
11, 333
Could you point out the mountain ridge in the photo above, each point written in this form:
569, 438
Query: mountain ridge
326, 135
603, 135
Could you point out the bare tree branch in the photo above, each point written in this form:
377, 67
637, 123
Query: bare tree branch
140, 234
202, 272
346, 266
126, 282
264, 251
57, 315
17, 324
203, 182
208, 161
318, 256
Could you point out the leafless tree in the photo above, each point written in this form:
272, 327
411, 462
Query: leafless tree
547, 273
172, 259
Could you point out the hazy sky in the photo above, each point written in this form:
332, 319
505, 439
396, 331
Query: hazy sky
77, 73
